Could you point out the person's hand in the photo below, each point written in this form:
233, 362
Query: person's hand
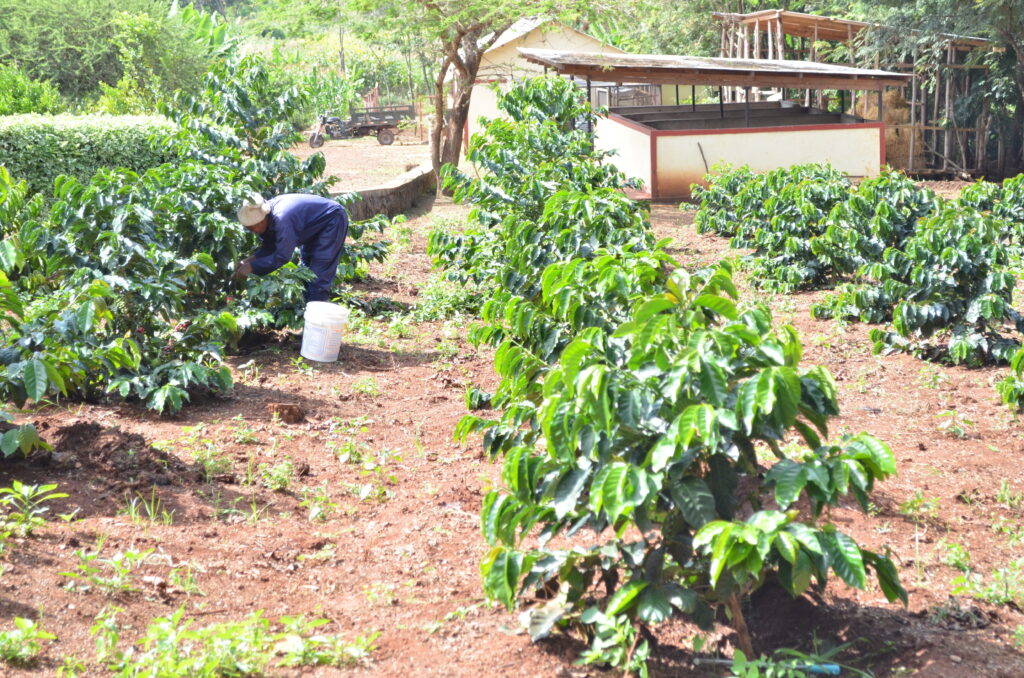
243, 271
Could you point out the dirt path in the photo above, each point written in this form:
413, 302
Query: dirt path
397, 554
363, 163
398, 549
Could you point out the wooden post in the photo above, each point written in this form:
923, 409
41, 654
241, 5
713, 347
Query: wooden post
814, 57
746, 42
947, 137
981, 139
779, 38
757, 39
746, 106
721, 105
804, 53
853, 62
769, 37
913, 112
721, 45
977, 127
693, 97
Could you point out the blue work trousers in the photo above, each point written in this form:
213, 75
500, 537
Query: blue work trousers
322, 255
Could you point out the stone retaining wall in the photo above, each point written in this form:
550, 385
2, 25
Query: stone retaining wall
394, 197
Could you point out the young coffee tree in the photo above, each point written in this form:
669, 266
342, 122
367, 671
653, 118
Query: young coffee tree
648, 424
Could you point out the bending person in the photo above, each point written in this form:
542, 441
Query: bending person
317, 225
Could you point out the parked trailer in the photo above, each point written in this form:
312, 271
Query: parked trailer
380, 121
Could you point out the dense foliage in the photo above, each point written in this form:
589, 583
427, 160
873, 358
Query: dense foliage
145, 48
636, 399
777, 214
21, 94
37, 148
124, 285
940, 271
943, 273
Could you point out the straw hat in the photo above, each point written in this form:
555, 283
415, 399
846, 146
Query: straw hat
253, 211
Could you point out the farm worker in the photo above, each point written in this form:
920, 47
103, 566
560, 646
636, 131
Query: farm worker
317, 225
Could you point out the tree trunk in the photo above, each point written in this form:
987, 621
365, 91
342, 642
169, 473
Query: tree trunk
438, 126
408, 72
740, 624
463, 53
457, 125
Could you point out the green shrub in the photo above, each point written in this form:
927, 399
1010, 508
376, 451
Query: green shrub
717, 212
125, 285
78, 44
778, 214
37, 148
21, 94
947, 289
881, 212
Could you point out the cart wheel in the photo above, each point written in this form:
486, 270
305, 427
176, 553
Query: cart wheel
386, 137
316, 140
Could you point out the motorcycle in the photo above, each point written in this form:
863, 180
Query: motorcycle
332, 126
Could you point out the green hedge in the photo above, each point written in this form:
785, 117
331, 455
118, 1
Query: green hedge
38, 148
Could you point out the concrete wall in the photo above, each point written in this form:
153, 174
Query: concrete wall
856, 149
484, 104
394, 197
632, 146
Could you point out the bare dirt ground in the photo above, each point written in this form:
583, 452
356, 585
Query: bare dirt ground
363, 163
398, 551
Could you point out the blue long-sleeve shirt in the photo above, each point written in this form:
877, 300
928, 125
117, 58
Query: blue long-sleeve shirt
294, 220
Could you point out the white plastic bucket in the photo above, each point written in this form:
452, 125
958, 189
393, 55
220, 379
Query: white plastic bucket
321, 337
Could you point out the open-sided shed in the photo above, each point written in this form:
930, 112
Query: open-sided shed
942, 73
672, 147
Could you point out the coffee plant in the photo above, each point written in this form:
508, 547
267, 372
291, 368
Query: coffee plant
795, 215
947, 291
941, 272
879, 213
717, 212
1011, 387
777, 214
637, 405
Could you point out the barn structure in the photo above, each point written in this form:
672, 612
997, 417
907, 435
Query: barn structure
670, 147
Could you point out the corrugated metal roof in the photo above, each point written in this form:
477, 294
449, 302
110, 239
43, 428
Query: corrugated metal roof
684, 70
801, 24
517, 30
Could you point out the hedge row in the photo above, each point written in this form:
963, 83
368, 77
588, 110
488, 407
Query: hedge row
38, 148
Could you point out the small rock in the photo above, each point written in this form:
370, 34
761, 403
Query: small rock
955, 658
289, 414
